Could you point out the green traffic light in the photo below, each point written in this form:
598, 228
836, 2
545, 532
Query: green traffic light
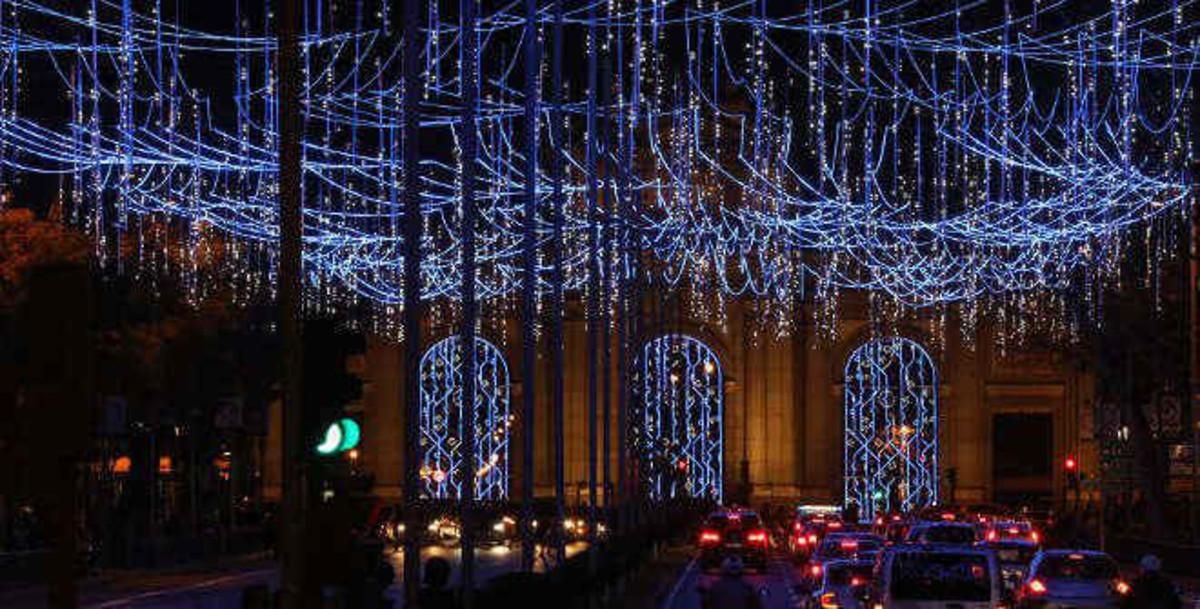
341, 436
350, 435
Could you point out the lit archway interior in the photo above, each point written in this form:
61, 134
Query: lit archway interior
442, 421
891, 443
681, 435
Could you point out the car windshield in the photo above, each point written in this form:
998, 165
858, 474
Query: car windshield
848, 575
941, 576
1077, 566
946, 534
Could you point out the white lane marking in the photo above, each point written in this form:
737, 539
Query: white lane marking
669, 603
167, 592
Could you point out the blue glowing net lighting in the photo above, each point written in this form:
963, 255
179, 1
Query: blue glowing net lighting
681, 439
443, 458
891, 428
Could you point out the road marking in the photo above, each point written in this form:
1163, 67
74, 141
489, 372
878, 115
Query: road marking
670, 601
167, 592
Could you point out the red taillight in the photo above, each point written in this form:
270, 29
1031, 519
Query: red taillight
849, 545
1122, 588
709, 537
802, 541
857, 581
829, 601
948, 516
835, 525
757, 537
1035, 536
1036, 587
812, 538
798, 527
992, 536
814, 570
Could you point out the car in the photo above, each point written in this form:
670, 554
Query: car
1079, 579
1014, 556
843, 585
733, 533
921, 576
956, 533
808, 530
835, 547
1013, 530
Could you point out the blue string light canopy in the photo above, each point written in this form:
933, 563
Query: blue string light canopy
926, 153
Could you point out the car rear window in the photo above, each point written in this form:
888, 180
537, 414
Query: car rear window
844, 575
1078, 566
1015, 554
750, 521
941, 576
957, 535
717, 522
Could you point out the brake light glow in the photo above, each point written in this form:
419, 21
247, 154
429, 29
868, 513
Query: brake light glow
849, 545
857, 581
947, 515
835, 525
1036, 537
710, 537
1036, 587
815, 570
992, 536
757, 537
802, 540
829, 601
797, 526
1122, 588
812, 538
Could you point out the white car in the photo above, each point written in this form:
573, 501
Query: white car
937, 577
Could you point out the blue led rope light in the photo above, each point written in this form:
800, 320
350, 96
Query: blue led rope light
891, 428
681, 436
918, 156
441, 421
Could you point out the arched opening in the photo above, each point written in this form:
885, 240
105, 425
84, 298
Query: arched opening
891, 442
681, 436
442, 421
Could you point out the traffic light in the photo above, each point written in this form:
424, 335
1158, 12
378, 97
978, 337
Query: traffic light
340, 436
329, 388
1071, 467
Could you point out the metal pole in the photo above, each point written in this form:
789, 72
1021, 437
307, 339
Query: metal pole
470, 153
290, 252
556, 290
529, 281
593, 291
412, 301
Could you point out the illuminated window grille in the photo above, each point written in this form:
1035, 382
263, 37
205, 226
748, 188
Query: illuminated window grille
681, 437
891, 451
442, 421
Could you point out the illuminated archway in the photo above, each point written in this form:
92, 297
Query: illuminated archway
681, 435
891, 450
442, 421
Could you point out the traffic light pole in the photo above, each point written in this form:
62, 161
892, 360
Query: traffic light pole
529, 284
470, 309
412, 301
290, 252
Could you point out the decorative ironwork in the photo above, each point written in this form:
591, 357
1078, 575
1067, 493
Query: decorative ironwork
682, 439
891, 451
442, 421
